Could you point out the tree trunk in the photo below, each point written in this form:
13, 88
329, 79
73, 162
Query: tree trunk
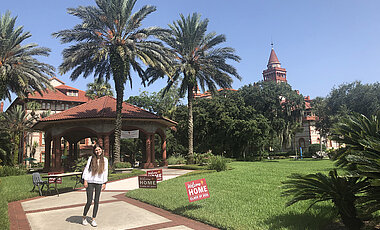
118, 72
190, 131
118, 122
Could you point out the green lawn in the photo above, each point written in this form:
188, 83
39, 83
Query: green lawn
15, 188
246, 197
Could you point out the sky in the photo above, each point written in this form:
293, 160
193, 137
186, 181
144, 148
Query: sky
322, 44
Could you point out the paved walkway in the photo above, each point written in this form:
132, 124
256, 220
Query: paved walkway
64, 212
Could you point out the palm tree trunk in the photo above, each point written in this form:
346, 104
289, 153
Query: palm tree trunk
118, 122
118, 71
190, 131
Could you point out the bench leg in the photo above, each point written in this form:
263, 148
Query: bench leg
39, 190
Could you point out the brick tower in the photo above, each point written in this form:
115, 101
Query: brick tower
274, 72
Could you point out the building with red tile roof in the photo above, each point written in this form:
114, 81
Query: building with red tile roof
309, 135
55, 101
95, 119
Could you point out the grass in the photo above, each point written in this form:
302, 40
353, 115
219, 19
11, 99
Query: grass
246, 197
13, 188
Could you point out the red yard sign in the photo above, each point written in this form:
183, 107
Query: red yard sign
156, 173
53, 179
197, 190
147, 182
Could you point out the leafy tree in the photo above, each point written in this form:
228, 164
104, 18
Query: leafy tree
98, 89
20, 72
160, 103
109, 42
345, 100
354, 97
342, 191
225, 125
198, 62
281, 105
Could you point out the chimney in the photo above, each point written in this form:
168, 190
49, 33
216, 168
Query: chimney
1, 107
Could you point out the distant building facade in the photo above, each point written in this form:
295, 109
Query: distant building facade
62, 98
309, 135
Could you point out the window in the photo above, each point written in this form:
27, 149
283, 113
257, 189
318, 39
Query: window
48, 106
43, 139
43, 105
83, 141
72, 93
67, 106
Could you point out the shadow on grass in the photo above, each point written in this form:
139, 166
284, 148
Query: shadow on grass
183, 209
319, 217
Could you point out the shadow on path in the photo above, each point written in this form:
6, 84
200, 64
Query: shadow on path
75, 219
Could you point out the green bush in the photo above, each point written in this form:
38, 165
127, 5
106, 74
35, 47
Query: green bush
218, 163
118, 165
203, 158
11, 171
176, 160
314, 148
79, 164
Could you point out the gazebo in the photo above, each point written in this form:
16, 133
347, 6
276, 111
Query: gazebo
96, 119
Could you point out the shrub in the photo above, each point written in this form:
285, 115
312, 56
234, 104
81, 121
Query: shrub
176, 160
118, 165
79, 164
218, 163
11, 171
314, 148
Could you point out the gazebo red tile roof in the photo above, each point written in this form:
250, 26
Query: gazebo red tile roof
104, 107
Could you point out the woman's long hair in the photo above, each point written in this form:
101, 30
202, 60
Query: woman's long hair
96, 168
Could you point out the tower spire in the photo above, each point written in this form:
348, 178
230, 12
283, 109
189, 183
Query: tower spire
274, 71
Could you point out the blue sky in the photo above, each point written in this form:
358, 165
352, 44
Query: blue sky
322, 44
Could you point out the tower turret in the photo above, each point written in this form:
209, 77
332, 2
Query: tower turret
274, 72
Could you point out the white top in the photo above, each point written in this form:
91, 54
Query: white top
97, 178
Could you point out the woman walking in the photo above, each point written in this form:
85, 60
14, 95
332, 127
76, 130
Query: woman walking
95, 176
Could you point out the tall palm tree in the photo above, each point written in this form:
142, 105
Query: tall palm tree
20, 72
98, 88
109, 42
198, 61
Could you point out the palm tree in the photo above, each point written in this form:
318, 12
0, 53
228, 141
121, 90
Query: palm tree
198, 62
342, 191
360, 136
98, 88
109, 42
20, 72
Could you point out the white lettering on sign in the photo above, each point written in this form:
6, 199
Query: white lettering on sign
197, 190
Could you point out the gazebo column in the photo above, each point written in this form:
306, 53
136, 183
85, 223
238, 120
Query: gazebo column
148, 148
100, 141
57, 154
152, 151
106, 146
47, 162
164, 161
76, 153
